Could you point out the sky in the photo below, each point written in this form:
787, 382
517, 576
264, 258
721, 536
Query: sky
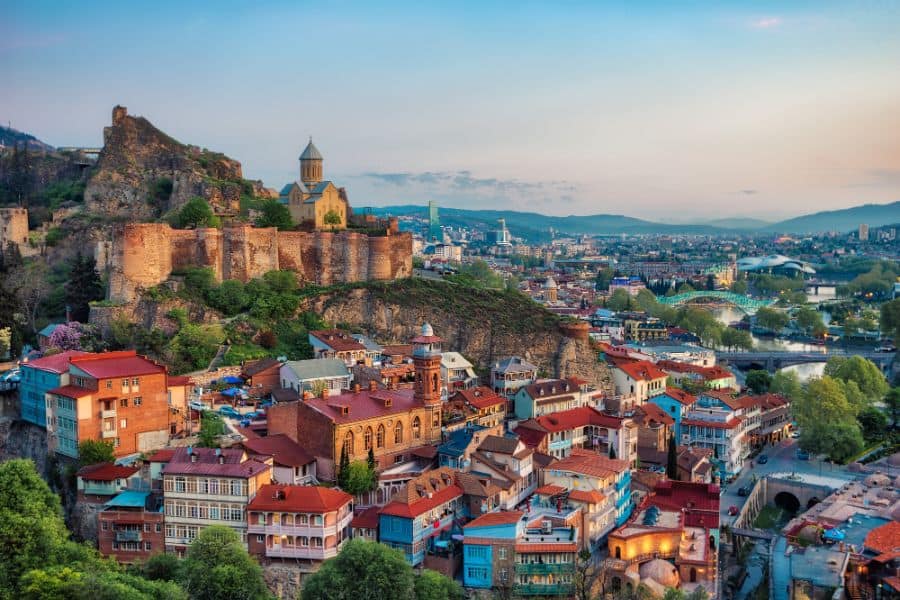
669, 111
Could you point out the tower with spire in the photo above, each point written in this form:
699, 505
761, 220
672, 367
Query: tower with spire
311, 165
312, 200
427, 362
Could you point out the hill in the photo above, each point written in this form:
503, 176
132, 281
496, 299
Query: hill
10, 137
848, 219
741, 223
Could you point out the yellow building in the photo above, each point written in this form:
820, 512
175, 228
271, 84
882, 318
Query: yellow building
315, 202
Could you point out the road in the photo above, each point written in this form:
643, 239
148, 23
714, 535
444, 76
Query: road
782, 459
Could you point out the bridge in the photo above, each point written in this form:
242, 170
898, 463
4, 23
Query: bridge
772, 360
748, 305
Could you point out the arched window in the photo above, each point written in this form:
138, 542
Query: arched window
379, 437
434, 383
368, 438
398, 433
348, 443
417, 428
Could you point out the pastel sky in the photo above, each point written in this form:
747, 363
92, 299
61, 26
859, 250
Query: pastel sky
661, 110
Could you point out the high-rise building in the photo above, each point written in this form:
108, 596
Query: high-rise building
863, 232
434, 222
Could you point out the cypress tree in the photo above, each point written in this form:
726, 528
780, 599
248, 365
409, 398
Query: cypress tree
343, 469
83, 286
672, 462
612, 451
373, 473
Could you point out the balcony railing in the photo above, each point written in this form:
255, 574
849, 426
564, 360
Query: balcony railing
300, 552
108, 433
544, 568
128, 535
304, 530
544, 589
108, 414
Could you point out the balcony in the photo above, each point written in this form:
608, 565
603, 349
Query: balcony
544, 589
300, 552
108, 434
128, 535
304, 530
544, 568
108, 414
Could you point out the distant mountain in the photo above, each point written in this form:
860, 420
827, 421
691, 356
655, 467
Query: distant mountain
10, 137
745, 223
873, 215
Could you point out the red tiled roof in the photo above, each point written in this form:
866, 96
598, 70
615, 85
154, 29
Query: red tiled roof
892, 582
589, 463
713, 424
496, 518
367, 519
106, 472
299, 498
707, 373
337, 340
687, 495
411, 510
207, 463
643, 370
589, 497
529, 548
364, 404
116, 364
71, 391
578, 417
885, 538
281, 448
164, 455
531, 437
725, 396
55, 363
258, 366
397, 349
176, 380
681, 396
481, 397
654, 413
549, 490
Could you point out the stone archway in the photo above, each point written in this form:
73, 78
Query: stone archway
787, 502
812, 502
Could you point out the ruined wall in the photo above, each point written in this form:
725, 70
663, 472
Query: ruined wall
145, 254
14, 227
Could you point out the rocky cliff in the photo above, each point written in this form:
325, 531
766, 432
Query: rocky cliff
483, 325
142, 173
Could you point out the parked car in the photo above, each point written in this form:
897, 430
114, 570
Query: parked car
744, 490
11, 376
762, 459
227, 411
802, 455
795, 434
732, 510
198, 406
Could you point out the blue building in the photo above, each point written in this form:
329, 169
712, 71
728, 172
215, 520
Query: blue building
489, 545
421, 517
460, 444
676, 403
39, 376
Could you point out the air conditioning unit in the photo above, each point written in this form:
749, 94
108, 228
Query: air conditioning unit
546, 526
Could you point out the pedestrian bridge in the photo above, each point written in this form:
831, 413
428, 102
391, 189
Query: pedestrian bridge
772, 360
748, 305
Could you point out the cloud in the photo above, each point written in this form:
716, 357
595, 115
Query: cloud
877, 178
767, 23
465, 184
749, 192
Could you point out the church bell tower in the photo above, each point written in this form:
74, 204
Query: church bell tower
427, 362
311, 165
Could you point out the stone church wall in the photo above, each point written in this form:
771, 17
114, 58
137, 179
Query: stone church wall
145, 254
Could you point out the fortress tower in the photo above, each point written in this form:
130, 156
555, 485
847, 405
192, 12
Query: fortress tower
311, 165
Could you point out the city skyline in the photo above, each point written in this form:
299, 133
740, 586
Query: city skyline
656, 112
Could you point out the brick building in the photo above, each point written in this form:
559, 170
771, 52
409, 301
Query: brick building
130, 527
261, 376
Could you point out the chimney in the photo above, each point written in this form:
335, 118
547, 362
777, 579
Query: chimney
356, 388
373, 385
219, 456
324, 394
307, 395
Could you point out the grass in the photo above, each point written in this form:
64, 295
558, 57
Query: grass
769, 517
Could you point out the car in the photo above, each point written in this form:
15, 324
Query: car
732, 510
762, 459
198, 406
11, 376
227, 411
744, 490
795, 434
802, 455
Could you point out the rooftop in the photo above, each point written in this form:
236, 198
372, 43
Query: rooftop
128, 499
299, 498
496, 518
234, 463
282, 449
116, 364
55, 363
350, 407
339, 341
642, 370
106, 472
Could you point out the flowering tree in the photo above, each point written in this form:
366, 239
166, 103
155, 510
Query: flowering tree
67, 336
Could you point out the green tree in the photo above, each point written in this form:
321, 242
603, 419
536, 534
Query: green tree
739, 287
91, 452
892, 403
229, 297
604, 277
332, 218
217, 567
194, 347
873, 423
587, 577
362, 569
32, 532
772, 319
863, 372
759, 381
162, 567
58, 583
360, 478
672, 458
275, 214
197, 213
431, 585
343, 469
84, 285
685, 288
736, 338
620, 299
787, 384
890, 319
211, 427
827, 420
810, 321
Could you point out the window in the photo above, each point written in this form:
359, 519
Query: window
398, 433
147, 527
135, 382
123, 403
179, 484
367, 438
123, 423
214, 513
501, 552
416, 428
105, 525
348, 443
158, 527
214, 486
109, 384
124, 383
260, 539
138, 401
379, 437
398, 459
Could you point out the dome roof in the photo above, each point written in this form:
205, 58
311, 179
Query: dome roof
661, 571
311, 152
427, 330
550, 283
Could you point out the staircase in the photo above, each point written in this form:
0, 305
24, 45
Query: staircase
218, 358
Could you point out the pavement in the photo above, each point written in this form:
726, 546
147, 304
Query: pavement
782, 459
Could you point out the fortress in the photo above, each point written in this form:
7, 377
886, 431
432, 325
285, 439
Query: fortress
145, 254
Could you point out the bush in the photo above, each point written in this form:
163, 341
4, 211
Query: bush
54, 236
197, 213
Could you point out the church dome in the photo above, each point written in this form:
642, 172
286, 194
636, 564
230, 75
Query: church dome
661, 571
427, 330
550, 284
311, 152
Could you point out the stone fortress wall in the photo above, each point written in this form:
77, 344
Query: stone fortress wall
14, 227
145, 254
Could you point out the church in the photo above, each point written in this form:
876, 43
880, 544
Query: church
314, 202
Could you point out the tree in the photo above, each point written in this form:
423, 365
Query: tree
772, 319
218, 567
672, 458
84, 285
863, 372
332, 218
230, 297
211, 427
890, 319
162, 567
58, 582
604, 277
343, 469
66, 336
736, 338
360, 478
873, 423
787, 384
612, 451
197, 213
892, 403
810, 321
587, 576
32, 532
710, 282
431, 585
759, 381
33, 287
362, 569
5, 342
827, 420
620, 299
92, 452
739, 287
194, 347
275, 214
